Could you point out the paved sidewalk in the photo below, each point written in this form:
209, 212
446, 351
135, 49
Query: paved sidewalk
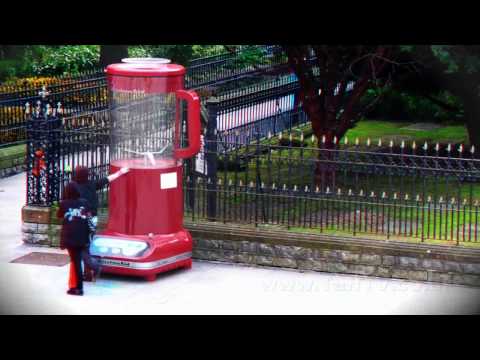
209, 288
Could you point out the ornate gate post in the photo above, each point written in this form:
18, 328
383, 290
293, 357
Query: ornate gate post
43, 154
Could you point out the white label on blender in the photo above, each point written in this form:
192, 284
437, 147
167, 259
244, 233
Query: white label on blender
168, 181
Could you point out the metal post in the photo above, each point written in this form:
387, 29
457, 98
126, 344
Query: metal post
43, 152
211, 157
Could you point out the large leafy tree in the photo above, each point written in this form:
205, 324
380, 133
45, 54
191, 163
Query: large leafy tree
325, 73
452, 68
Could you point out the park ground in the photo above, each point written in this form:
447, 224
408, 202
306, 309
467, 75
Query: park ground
209, 288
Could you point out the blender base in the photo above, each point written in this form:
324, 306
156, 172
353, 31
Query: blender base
166, 252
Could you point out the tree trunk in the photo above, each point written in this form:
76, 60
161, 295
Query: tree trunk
472, 121
111, 54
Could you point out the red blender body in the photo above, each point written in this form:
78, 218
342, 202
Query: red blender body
145, 235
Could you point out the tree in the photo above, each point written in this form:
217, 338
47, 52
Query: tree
324, 73
111, 54
330, 106
454, 68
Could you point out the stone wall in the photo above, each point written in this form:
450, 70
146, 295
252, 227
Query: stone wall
12, 170
417, 262
260, 247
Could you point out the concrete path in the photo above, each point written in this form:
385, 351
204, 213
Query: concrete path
209, 288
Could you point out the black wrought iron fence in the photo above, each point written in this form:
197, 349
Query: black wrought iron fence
57, 144
291, 181
232, 65
404, 192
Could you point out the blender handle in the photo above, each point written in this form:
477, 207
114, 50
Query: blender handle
193, 121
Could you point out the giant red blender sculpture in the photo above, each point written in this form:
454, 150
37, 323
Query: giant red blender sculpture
145, 235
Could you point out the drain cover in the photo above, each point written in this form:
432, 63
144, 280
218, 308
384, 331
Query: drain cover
38, 258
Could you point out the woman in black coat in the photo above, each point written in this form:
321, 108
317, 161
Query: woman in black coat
75, 234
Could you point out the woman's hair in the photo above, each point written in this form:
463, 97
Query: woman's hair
80, 175
71, 192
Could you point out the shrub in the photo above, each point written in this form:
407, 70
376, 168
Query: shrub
57, 60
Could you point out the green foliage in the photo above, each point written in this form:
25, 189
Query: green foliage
138, 51
8, 69
200, 51
404, 106
251, 55
56, 60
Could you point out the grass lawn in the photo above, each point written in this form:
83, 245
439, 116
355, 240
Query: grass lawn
386, 130
12, 155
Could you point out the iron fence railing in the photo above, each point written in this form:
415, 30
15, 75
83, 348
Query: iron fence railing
387, 193
233, 65
292, 181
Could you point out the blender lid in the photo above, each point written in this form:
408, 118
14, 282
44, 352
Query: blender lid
145, 69
146, 61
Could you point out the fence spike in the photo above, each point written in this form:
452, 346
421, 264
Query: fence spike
453, 200
372, 194
262, 185
274, 186
476, 203
295, 188
437, 147
280, 136
290, 137
27, 108
219, 181
361, 192
317, 189
391, 143
402, 144
324, 139
429, 198
327, 191
306, 188
449, 148
414, 145
335, 140
464, 202
425, 146
345, 142
240, 183
357, 141
472, 149
407, 197
269, 136
460, 148
252, 184
384, 195
395, 196
301, 136
339, 191
440, 200
417, 198
368, 142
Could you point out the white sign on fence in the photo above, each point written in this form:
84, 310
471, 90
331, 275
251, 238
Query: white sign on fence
200, 164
